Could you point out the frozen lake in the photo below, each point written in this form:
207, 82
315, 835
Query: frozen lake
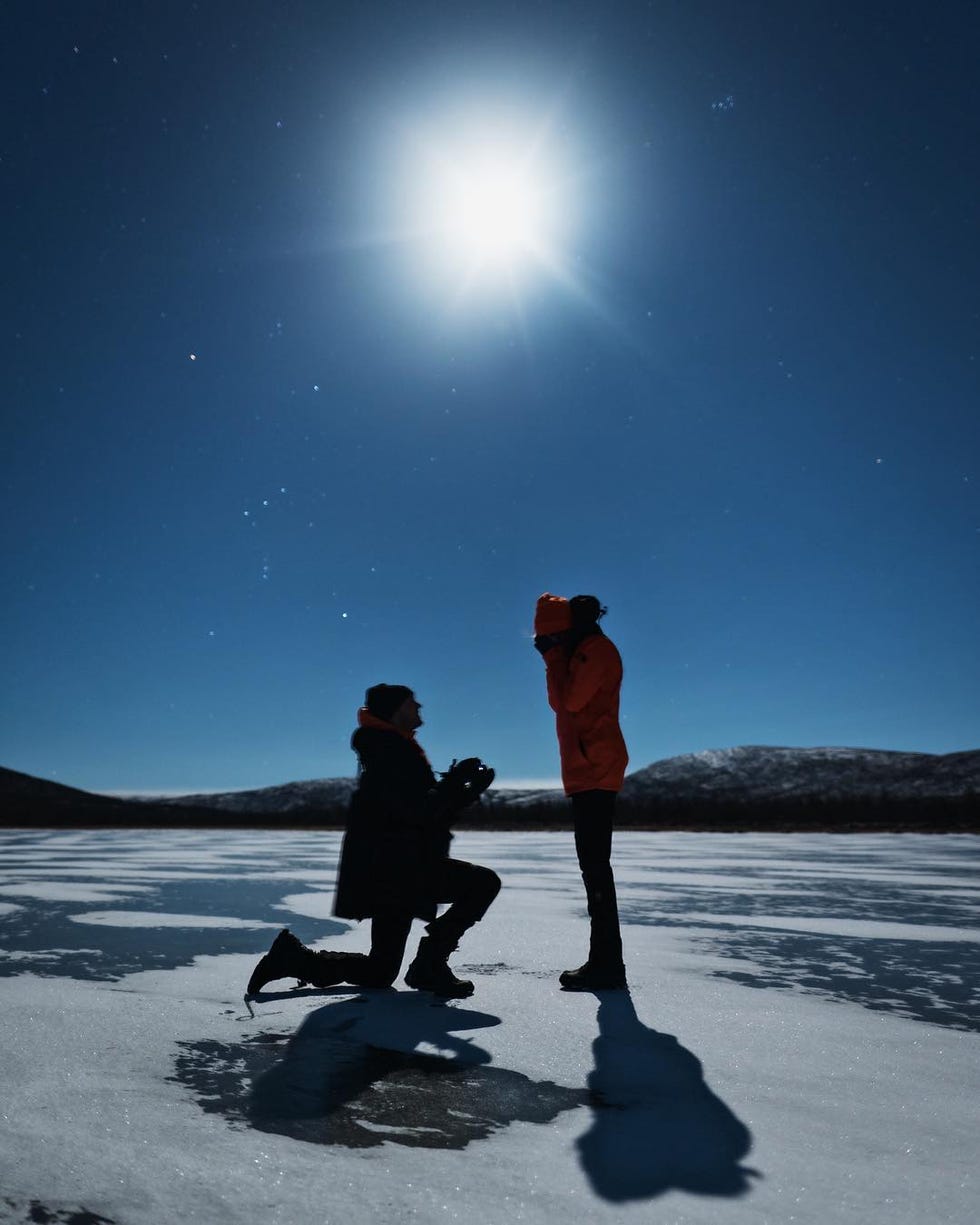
799, 1042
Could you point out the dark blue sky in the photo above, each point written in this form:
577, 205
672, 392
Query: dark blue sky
744, 409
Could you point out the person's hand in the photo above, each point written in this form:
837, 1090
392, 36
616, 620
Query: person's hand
543, 643
465, 768
467, 780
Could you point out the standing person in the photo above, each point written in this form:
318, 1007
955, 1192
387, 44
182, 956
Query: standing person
394, 864
584, 673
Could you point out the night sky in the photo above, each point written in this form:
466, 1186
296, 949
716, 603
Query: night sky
272, 432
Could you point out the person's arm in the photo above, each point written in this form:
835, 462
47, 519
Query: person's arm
397, 780
403, 783
571, 690
556, 677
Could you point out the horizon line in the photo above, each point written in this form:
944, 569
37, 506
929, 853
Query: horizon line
504, 784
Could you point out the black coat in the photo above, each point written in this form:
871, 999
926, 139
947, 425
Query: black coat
397, 835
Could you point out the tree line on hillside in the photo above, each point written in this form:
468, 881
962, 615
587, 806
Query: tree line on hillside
946, 814
949, 814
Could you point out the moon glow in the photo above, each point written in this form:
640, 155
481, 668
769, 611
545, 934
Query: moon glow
491, 213
488, 212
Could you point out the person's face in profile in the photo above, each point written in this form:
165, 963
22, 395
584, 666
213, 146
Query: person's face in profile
407, 717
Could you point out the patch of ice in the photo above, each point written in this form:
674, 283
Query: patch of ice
149, 918
47, 954
863, 928
71, 891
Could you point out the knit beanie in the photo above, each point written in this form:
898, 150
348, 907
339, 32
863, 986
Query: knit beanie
383, 700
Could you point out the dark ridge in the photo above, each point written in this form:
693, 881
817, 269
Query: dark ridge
740, 789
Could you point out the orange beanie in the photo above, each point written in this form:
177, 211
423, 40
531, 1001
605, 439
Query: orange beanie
552, 614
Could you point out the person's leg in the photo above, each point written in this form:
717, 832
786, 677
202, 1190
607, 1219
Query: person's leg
593, 813
289, 958
379, 968
470, 890
389, 935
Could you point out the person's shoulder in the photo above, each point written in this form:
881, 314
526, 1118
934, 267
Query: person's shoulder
375, 743
599, 646
373, 740
598, 650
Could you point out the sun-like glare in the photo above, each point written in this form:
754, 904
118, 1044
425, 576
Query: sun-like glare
487, 210
491, 211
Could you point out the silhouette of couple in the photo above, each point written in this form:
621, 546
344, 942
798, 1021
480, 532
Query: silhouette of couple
353, 1075
395, 864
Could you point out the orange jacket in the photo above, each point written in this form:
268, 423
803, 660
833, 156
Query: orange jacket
583, 691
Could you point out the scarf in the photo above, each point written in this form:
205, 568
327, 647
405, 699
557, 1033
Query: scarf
366, 719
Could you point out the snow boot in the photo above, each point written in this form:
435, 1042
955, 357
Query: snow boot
594, 977
430, 971
289, 958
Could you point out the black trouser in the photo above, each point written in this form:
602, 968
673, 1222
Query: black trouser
593, 813
469, 888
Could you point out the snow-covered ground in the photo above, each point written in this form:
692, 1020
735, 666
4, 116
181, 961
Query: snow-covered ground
799, 1043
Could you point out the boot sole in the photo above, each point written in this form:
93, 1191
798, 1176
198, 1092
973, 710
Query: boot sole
597, 984
444, 994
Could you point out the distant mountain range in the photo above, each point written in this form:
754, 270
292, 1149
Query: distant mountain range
755, 784
313, 795
760, 772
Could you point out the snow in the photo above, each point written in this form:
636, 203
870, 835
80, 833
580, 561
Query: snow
765, 771
799, 1042
311, 905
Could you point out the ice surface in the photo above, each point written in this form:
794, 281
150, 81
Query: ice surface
70, 891
143, 918
799, 1042
865, 929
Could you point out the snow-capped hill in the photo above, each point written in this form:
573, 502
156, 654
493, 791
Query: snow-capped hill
747, 772
499, 798
753, 782
769, 772
328, 794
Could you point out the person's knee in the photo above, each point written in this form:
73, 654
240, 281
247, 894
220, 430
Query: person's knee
489, 884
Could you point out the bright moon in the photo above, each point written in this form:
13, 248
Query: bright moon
492, 212
485, 211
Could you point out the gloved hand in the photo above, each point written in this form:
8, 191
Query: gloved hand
543, 643
465, 781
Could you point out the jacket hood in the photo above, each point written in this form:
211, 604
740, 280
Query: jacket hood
552, 614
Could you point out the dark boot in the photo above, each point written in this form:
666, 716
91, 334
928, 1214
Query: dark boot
289, 958
604, 969
429, 971
594, 976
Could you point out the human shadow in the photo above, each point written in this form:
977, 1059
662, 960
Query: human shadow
656, 1125
353, 1075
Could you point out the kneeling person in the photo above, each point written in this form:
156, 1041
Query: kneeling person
395, 864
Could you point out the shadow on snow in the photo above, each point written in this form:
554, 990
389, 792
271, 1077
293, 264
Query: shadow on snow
656, 1126
352, 1076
